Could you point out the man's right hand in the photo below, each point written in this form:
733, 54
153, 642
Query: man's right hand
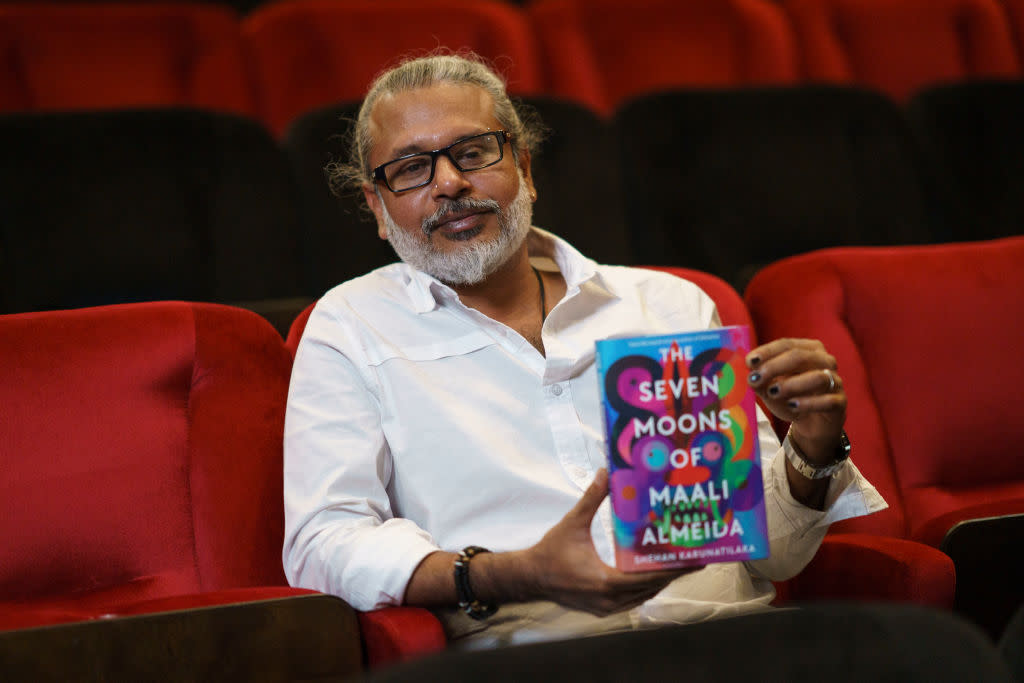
563, 567
570, 572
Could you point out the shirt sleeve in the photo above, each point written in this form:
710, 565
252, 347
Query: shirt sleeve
795, 531
341, 536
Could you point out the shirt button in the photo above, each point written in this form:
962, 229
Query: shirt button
557, 390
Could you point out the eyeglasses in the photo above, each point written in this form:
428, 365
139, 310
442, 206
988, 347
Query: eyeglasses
467, 154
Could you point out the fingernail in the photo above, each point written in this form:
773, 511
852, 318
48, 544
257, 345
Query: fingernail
754, 377
773, 390
754, 361
794, 404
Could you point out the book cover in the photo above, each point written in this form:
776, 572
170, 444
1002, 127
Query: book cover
683, 455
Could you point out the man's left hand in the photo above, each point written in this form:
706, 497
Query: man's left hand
797, 380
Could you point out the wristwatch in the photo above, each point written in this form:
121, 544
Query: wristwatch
811, 470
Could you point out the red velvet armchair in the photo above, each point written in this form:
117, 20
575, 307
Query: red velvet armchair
140, 474
928, 344
140, 458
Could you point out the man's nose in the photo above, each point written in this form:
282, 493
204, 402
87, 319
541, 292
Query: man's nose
449, 181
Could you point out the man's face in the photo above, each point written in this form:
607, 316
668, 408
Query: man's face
461, 226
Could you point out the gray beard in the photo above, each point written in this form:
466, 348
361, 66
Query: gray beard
472, 263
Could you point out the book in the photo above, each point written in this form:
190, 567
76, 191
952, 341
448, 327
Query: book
683, 454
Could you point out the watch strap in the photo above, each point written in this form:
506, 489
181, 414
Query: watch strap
812, 470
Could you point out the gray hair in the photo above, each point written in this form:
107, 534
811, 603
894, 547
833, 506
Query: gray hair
465, 68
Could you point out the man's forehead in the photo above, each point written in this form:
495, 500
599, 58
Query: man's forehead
429, 117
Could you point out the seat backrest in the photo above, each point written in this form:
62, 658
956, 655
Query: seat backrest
578, 181
901, 46
118, 206
600, 52
728, 181
1015, 13
973, 132
339, 233
59, 56
140, 452
928, 344
731, 308
307, 54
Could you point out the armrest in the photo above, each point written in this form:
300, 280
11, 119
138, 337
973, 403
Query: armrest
118, 601
395, 634
300, 637
877, 568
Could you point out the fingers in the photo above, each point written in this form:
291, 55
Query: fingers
823, 383
797, 377
808, 402
773, 349
789, 357
793, 367
625, 590
586, 507
636, 583
606, 605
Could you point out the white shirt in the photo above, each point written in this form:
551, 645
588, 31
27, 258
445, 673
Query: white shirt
416, 423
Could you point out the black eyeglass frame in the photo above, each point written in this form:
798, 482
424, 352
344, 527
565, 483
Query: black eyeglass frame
501, 135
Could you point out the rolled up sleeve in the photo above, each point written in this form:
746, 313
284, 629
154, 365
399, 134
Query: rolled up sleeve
341, 536
795, 531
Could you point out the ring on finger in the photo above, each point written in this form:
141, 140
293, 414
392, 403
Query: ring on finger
831, 380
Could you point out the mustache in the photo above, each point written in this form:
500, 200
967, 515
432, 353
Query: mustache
456, 206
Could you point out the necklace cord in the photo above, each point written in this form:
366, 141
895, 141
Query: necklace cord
543, 301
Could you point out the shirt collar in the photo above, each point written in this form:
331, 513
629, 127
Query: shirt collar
428, 293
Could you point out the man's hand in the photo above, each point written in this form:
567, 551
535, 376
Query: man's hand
798, 382
568, 570
562, 567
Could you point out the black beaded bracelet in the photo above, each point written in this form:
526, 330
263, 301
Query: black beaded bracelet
463, 592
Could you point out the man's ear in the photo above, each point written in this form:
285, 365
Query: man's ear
524, 167
374, 201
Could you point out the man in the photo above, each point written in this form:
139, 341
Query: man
450, 401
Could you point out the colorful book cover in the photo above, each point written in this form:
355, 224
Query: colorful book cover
685, 466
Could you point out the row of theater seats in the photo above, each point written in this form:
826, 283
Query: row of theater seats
116, 206
288, 57
142, 450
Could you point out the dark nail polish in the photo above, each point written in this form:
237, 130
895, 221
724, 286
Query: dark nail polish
754, 378
755, 361
794, 404
773, 390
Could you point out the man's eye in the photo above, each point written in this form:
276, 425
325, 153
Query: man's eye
414, 167
470, 153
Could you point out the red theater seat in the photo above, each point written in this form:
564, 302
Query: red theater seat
928, 344
1015, 13
310, 53
141, 460
78, 56
141, 476
599, 52
900, 46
